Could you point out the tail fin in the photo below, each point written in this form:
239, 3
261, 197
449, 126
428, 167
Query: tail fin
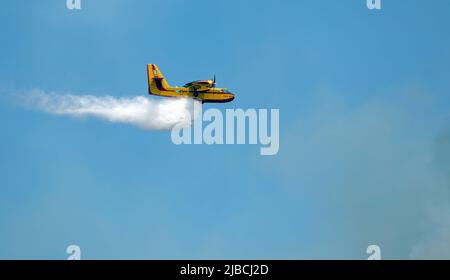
156, 81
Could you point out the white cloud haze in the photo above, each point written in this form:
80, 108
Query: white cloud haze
380, 171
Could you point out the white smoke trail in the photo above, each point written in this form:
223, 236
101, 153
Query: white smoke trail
146, 113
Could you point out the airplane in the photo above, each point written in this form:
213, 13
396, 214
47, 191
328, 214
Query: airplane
202, 90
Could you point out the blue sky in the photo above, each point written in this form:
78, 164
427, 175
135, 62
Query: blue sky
364, 129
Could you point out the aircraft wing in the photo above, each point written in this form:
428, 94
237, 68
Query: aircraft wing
203, 85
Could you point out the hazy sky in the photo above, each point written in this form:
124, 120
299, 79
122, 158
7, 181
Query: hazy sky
364, 158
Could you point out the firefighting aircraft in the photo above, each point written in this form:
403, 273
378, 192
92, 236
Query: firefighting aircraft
203, 90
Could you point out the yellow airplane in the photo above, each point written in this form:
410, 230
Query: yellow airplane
203, 90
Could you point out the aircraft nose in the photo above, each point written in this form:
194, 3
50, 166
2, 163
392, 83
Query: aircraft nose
231, 96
